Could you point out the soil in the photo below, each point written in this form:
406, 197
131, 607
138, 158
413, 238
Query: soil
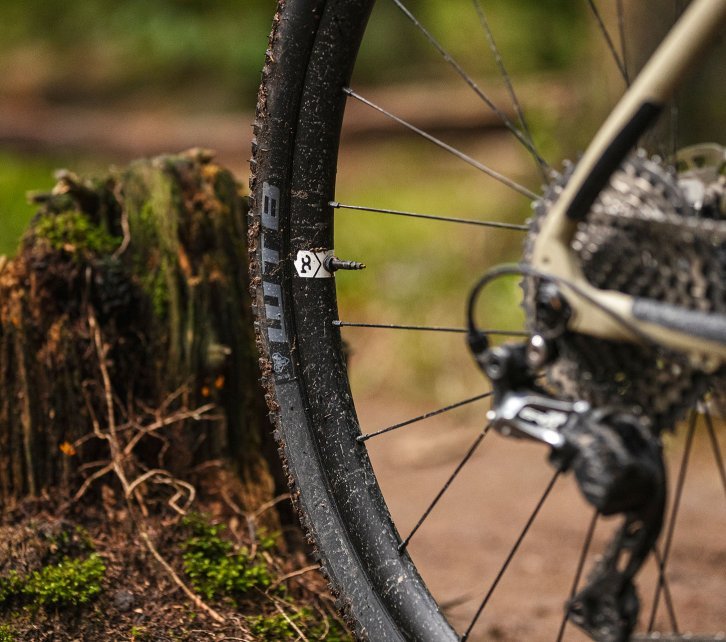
139, 600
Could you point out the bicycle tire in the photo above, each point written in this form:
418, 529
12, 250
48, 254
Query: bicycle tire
310, 57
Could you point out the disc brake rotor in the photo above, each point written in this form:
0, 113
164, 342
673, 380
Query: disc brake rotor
656, 234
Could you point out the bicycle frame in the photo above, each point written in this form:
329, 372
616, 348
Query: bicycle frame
604, 313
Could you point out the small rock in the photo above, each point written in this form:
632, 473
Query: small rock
123, 600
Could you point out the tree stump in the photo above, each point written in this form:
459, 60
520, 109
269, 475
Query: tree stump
126, 332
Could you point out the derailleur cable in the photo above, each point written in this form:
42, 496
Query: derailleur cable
614, 455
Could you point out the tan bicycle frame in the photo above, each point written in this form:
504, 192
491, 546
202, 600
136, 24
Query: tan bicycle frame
596, 312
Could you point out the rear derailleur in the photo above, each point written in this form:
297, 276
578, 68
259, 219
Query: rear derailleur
616, 460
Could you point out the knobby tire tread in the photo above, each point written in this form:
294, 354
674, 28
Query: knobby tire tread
379, 594
255, 271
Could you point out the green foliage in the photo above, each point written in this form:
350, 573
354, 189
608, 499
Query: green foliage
18, 175
7, 634
73, 232
279, 627
10, 586
215, 568
531, 35
218, 47
72, 582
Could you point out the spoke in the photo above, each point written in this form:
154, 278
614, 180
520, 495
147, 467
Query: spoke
511, 555
452, 150
431, 217
623, 40
426, 328
672, 522
469, 454
714, 445
663, 580
720, 399
674, 108
527, 142
578, 572
506, 78
611, 45
674, 122
427, 415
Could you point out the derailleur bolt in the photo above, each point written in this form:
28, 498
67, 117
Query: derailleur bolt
537, 352
333, 264
495, 363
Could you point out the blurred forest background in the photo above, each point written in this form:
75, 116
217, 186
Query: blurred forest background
87, 84
84, 83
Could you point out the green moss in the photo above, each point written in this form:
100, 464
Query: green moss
153, 282
11, 585
279, 627
72, 582
7, 634
73, 232
272, 627
155, 231
70, 542
216, 569
138, 634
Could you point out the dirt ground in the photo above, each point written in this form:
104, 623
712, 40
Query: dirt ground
138, 600
462, 545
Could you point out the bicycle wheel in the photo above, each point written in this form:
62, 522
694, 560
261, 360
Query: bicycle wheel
312, 52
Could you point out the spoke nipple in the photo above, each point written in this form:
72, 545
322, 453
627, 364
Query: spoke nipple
333, 264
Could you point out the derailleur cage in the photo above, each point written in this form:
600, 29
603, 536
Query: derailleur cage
616, 460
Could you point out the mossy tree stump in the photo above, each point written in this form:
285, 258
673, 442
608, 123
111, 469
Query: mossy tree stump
126, 309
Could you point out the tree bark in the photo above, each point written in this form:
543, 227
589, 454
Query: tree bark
125, 324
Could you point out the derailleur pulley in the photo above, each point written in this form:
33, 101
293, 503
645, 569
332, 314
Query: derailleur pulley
615, 458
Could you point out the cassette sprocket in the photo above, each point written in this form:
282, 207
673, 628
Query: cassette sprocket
653, 233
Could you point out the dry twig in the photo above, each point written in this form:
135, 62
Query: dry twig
119, 456
198, 602
289, 576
